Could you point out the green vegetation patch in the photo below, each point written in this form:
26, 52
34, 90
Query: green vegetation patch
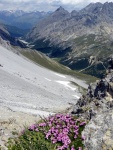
46, 62
58, 132
96, 70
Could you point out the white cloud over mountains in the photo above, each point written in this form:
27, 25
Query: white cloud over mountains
46, 5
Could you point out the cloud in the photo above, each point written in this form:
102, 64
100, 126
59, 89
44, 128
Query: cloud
46, 5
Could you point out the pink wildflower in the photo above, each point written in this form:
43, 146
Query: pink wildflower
47, 135
32, 127
83, 137
75, 137
72, 148
83, 123
42, 124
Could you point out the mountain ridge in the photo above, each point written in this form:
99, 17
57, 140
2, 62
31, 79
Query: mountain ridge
60, 37
21, 19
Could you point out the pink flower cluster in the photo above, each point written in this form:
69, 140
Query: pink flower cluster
62, 129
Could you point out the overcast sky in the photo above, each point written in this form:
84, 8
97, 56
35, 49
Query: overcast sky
45, 5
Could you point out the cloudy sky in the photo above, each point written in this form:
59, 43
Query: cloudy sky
45, 5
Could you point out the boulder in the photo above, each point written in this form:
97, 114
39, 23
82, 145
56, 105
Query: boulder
99, 132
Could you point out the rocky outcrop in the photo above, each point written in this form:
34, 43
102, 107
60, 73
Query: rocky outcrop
97, 99
99, 132
97, 108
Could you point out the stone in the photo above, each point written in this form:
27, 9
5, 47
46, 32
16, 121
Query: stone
99, 132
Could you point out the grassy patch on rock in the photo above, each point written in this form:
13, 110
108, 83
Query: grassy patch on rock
58, 132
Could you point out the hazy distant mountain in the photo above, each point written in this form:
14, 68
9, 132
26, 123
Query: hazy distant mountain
77, 36
16, 32
21, 19
5, 35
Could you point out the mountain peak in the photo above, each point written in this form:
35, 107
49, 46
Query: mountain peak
60, 9
107, 9
92, 8
108, 4
74, 13
93, 5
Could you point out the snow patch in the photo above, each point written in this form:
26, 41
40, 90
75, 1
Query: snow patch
47, 79
77, 97
23, 41
60, 75
66, 84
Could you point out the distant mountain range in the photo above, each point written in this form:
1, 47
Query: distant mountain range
21, 19
78, 39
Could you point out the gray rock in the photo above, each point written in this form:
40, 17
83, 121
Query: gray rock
99, 132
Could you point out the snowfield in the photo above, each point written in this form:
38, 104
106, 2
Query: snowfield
29, 88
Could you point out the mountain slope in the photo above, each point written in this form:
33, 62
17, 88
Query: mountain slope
49, 25
5, 35
31, 88
16, 32
46, 62
92, 27
88, 21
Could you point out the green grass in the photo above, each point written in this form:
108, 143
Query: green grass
57, 59
46, 62
30, 141
81, 89
97, 70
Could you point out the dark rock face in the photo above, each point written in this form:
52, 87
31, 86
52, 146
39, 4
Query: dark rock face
4, 34
98, 97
